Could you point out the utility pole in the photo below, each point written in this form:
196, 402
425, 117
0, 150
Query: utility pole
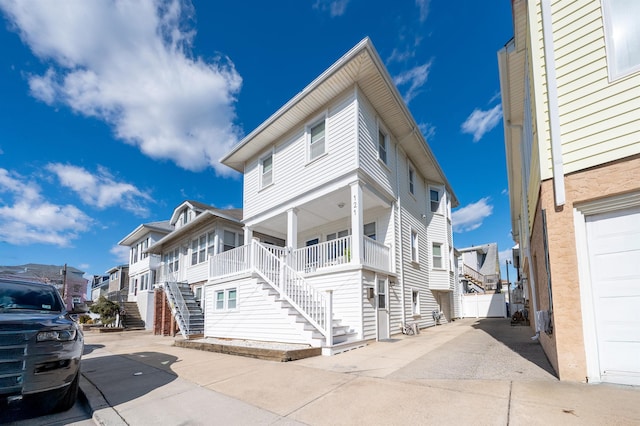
64, 282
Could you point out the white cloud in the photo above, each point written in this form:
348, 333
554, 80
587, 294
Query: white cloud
27, 218
481, 122
428, 130
415, 78
505, 255
101, 190
423, 7
120, 254
130, 65
334, 7
470, 217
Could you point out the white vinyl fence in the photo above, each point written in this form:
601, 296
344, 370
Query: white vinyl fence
484, 306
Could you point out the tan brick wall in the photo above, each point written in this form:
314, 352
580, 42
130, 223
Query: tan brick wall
565, 347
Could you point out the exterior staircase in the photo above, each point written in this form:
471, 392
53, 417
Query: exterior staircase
132, 320
185, 309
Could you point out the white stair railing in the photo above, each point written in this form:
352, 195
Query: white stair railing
308, 301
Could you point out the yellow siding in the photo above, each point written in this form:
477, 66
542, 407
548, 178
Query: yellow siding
598, 118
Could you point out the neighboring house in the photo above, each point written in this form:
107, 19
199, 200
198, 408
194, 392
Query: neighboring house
200, 231
343, 177
483, 296
570, 82
69, 281
141, 269
480, 268
118, 283
99, 286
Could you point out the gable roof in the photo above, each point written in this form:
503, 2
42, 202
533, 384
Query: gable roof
362, 66
162, 227
210, 214
191, 204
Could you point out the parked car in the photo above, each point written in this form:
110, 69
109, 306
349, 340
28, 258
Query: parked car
40, 346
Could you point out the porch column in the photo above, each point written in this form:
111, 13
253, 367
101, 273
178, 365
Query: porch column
357, 223
292, 229
248, 235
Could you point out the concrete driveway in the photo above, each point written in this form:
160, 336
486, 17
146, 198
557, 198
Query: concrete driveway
468, 372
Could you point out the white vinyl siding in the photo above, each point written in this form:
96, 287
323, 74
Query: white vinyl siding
295, 175
368, 148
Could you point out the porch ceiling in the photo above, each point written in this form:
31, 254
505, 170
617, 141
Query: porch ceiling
318, 212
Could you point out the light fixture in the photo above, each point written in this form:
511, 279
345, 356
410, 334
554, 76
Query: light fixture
340, 204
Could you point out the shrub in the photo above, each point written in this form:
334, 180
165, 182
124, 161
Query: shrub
106, 309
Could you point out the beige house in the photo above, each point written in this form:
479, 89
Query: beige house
570, 83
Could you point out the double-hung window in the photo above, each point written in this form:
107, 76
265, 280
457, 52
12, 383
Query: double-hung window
434, 196
266, 170
412, 180
622, 36
414, 246
437, 255
199, 249
382, 146
231, 240
317, 139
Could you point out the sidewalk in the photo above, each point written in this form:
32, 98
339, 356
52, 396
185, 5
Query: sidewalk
462, 373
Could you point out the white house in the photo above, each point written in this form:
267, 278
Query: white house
347, 219
142, 266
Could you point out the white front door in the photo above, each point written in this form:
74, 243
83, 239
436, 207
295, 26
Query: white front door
613, 241
382, 307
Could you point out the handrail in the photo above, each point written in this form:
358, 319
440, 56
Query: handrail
321, 255
180, 306
308, 301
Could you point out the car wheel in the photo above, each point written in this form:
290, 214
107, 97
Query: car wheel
69, 397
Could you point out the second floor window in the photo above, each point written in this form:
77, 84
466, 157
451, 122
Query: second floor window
435, 199
414, 246
437, 256
622, 36
382, 146
199, 249
412, 179
231, 240
266, 170
317, 140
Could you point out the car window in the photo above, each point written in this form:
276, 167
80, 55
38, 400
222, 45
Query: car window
29, 296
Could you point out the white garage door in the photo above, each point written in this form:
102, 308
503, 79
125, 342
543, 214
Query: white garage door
614, 258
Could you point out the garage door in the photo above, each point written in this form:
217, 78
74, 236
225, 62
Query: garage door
614, 257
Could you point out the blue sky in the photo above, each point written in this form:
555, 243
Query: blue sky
113, 112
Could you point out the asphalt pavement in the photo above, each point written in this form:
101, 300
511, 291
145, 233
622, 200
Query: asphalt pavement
481, 372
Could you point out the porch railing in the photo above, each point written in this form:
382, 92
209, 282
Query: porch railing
231, 262
329, 253
376, 254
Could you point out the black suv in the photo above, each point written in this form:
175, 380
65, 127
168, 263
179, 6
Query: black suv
40, 346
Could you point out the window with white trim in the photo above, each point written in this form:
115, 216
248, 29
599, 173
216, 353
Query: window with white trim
437, 255
415, 302
199, 249
266, 170
622, 36
231, 240
226, 299
434, 198
317, 139
211, 243
414, 246
412, 179
172, 260
382, 145
369, 230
